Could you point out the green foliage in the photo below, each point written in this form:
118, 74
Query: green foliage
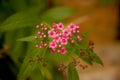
27, 39
57, 14
72, 73
19, 30
21, 19
26, 68
95, 58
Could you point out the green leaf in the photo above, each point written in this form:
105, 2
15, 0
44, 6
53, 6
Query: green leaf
57, 14
26, 68
27, 39
96, 58
72, 73
22, 19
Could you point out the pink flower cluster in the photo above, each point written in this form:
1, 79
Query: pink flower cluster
60, 36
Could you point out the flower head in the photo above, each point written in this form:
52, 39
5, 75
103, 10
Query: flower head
51, 33
64, 41
59, 36
54, 25
53, 45
60, 26
63, 51
71, 27
66, 32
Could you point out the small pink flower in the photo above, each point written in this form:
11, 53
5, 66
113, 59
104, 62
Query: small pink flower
60, 26
79, 38
66, 32
63, 51
71, 27
53, 45
51, 33
54, 25
57, 38
64, 41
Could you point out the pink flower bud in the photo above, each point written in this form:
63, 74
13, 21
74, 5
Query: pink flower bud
39, 32
54, 25
58, 51
40, 47
44, 36
79, 38
60, 34
42, 33
41, 42
74, 31
72, 41
59, 45
78, 31
77, 26
41, 37
53, 51
36, 45
41, 24
45, 28
37, 27
45, 44
36, 37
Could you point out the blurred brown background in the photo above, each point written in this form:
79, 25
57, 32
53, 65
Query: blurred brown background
102, 16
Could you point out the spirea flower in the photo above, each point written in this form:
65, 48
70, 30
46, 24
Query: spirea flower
57, 37
60, 26
51, 33
53, 45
